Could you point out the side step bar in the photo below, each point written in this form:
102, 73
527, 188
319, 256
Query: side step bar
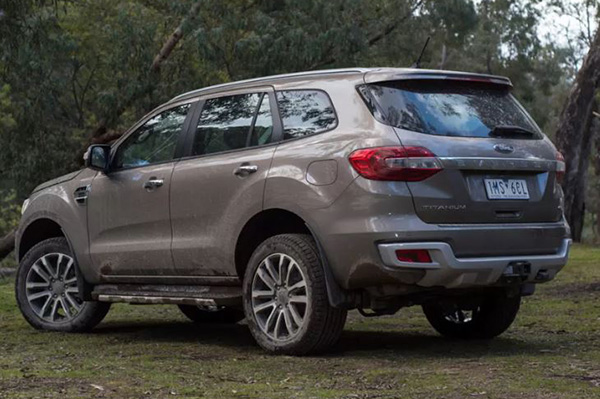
169, 294
139, 299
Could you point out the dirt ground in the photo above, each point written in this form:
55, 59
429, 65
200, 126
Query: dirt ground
552, 351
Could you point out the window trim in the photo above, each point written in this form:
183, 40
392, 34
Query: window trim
277, 126
254, 117
178, 145
335, 114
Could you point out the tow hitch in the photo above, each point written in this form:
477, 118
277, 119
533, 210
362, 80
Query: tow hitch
516, 272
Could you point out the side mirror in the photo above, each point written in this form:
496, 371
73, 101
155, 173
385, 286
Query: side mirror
97, 157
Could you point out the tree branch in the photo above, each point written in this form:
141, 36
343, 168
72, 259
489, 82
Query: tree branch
389, 29
175, 37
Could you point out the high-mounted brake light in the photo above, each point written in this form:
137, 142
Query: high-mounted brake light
395, 163
560, 167
413, 255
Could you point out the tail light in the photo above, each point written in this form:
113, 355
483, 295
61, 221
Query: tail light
560, 167
413, 255
395, 163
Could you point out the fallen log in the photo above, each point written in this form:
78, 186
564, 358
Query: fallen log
7, 244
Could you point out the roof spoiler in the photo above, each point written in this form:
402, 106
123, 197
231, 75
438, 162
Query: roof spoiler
437, 75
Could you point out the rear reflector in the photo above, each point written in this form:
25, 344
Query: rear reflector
395, 163
413, 255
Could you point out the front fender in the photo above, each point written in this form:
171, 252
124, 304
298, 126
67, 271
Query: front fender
57, 203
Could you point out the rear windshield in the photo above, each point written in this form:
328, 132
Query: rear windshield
446, 108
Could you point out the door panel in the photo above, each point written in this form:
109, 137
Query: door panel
209, 206
129, 225
221, 185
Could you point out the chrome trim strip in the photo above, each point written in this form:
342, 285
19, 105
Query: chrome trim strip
492, 163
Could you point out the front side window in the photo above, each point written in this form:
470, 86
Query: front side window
233, 122
154, 141
305, 112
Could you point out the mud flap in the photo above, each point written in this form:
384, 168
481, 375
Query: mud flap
338, 298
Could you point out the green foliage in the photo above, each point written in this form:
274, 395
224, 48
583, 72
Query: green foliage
69, 68
7, 121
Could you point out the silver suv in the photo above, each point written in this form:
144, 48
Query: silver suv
289, 200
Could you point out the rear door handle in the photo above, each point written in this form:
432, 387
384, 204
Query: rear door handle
245, 170
153, 183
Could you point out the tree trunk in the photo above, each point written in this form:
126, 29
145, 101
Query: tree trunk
574, 137
579, 192
596, 128
7, 244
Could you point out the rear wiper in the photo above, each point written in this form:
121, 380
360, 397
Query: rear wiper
511, 131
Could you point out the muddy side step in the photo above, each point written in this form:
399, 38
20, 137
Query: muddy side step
169, 294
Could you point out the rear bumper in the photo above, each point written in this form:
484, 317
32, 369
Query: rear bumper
448, 271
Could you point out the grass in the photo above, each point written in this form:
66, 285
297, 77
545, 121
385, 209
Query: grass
8, 262
552, 351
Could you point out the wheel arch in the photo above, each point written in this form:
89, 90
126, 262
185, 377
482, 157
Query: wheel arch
37, 231
275, 221
41, 229
265, 224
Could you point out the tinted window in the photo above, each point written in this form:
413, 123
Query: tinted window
305, 112
154, 141
449, 108
226, 123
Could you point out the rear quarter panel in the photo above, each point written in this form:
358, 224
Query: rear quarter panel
294, 184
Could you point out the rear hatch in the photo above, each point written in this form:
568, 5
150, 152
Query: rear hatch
497, 166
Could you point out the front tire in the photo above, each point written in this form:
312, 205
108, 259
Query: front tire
285, 298
485, 319
47, 293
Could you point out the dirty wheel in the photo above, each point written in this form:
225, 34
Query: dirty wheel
285, 298
212, 314
47, 292
488, 318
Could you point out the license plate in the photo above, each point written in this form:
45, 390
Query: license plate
506, 189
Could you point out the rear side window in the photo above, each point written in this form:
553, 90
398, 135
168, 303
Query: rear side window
448, 108
233, 122
305, 112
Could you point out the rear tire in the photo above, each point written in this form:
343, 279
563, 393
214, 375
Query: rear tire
222, 315
47, 292
488, 319
285, 298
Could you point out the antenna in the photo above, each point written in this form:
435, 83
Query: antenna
417, 63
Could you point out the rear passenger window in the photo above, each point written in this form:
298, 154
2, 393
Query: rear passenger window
226, 123
305, 112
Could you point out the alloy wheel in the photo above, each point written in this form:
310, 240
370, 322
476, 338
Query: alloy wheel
460, 316
51, 288
280, 297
